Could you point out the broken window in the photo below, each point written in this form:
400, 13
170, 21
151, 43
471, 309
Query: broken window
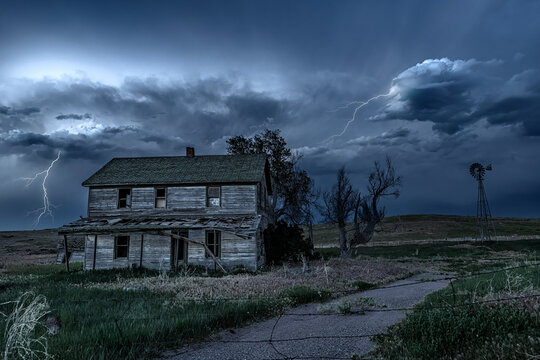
121, 247
213, 241
124, 198
213, 196
161, 198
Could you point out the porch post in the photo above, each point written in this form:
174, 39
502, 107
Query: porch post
95, 250
142, 246
66, 252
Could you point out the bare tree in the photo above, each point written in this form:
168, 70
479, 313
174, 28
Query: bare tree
382, 182
338, 205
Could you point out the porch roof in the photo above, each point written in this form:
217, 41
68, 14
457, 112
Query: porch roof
243, 226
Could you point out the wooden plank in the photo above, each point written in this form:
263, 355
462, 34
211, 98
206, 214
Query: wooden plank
95, 249
143, 198
142, 248
66, 252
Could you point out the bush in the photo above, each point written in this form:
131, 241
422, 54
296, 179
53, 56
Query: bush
299, 295
284, 242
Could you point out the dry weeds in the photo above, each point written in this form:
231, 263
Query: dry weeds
22, 338
333, 275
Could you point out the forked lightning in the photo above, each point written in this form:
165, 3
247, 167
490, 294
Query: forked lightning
46, 208
360, 105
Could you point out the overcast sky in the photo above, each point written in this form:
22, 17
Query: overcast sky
460, 83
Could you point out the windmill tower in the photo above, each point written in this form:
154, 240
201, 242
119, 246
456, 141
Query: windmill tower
486, 229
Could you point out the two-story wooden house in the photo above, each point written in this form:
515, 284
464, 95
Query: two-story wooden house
161, 212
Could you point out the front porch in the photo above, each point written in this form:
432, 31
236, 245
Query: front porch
166, 243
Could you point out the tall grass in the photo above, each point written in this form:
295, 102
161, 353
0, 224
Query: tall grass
24, 331
455, 324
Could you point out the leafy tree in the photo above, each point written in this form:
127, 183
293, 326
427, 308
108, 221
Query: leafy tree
292, 189
284, 242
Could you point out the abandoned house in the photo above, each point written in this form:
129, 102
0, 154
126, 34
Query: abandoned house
163, 212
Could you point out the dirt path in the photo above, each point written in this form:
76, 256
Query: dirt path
325, 336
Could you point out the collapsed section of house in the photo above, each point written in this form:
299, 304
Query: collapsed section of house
168, 242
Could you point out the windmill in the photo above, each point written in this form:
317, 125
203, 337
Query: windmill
486, 229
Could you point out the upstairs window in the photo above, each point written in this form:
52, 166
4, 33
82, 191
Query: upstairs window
161, 198
213, 241
121, 247
124, 198
213, 196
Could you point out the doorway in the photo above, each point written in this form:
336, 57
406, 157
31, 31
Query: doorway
179, 249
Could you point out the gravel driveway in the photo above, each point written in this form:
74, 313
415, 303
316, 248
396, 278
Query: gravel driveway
324, 336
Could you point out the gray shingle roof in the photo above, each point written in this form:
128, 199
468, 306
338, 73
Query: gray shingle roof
248, 168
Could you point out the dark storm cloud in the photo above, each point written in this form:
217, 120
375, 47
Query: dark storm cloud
6, 110
36, 148
203, 111
453, 95
439, 91
73, 116
141, 116
521, 106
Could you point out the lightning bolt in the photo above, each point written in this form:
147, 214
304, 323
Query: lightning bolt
359, 106
45, 210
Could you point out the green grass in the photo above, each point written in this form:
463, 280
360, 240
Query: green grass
106, 324
469, 330
441, 249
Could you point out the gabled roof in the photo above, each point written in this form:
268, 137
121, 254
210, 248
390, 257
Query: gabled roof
248, 168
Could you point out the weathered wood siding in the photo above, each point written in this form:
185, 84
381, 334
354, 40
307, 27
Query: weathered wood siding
235, 199
143, 198
102, 201
156, 252
186, 198
234, 251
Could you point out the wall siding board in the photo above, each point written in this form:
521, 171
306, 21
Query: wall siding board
235, 199
142, 198
186, 198
156, 252
234, 251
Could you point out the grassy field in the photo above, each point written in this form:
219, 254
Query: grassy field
28, 247
424, 227
134, 314
440, 249
491, 316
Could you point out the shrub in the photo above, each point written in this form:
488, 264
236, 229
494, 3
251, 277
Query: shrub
304, 294
284, 242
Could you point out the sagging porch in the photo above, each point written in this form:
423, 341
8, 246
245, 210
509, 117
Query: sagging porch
168, 242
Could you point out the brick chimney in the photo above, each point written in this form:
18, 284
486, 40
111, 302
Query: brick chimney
190, 152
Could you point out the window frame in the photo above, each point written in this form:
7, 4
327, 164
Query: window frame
216, 244
208, 204
116, 246
128, 205
156, 198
